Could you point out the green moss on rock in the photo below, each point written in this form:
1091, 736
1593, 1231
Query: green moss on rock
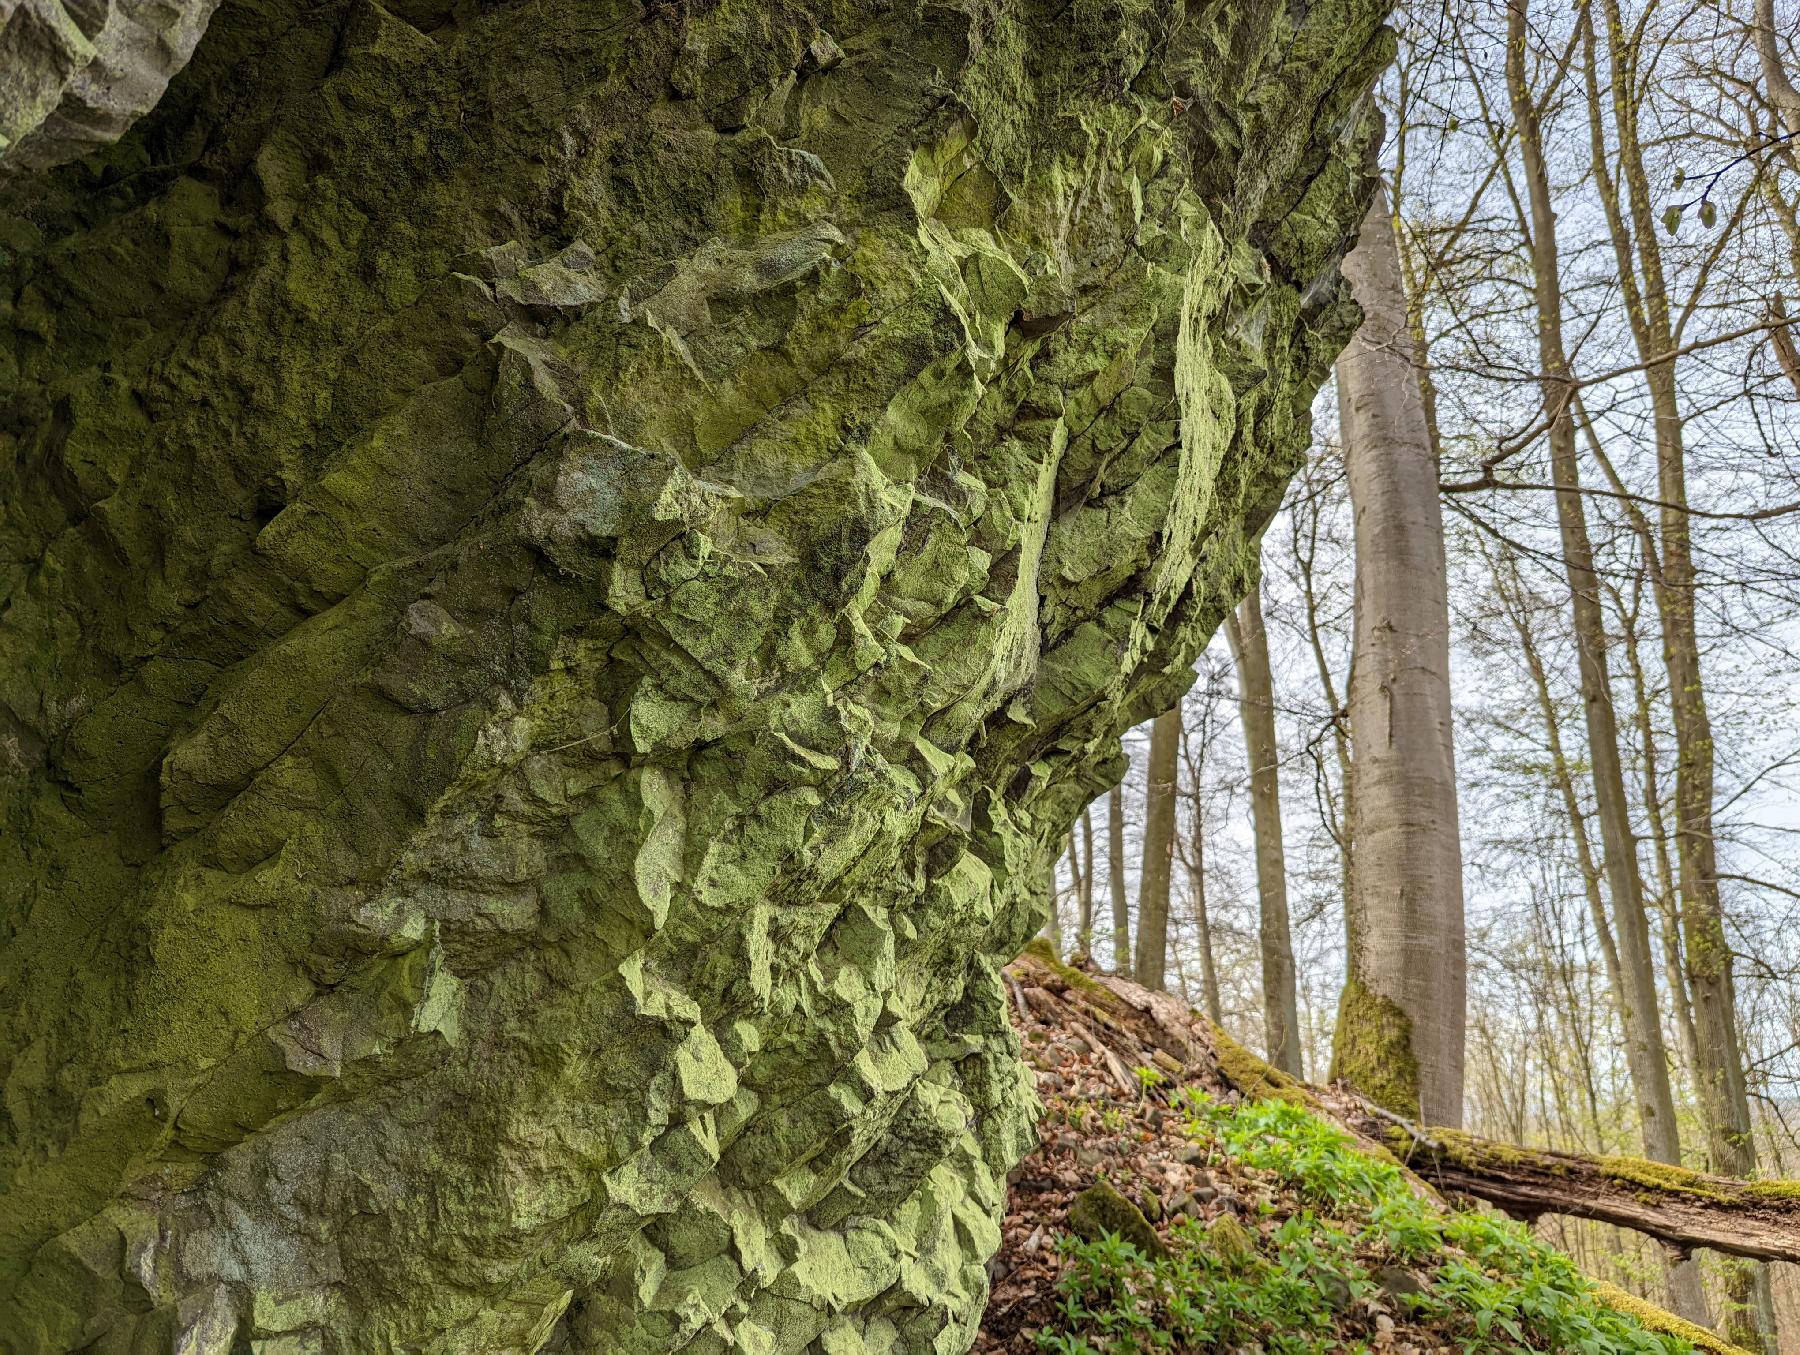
563, 571
1648, 1316
1230, 1241
1100, 1210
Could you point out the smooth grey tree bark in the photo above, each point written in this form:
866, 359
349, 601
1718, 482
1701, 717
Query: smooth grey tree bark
1400, 1028
1778, 89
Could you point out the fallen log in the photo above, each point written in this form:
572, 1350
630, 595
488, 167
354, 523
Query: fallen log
1684, 1209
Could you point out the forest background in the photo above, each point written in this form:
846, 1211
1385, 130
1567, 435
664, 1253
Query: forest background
1671, 155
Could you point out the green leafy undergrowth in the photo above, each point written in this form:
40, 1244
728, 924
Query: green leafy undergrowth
1320, 1275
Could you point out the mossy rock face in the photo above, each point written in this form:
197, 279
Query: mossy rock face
564, 568
1100, 1210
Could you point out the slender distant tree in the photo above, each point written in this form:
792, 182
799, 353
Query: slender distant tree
1197, 733
1150, 956
1249, 640
1053, 930
1115, 879
1084, 885
1321, 479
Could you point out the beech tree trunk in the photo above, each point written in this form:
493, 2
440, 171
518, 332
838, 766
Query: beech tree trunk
1256, 708
1084, 927
1150, 955
1778, 89
1401, 1020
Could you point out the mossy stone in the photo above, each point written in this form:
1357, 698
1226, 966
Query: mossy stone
1229, 1240
1100, 1210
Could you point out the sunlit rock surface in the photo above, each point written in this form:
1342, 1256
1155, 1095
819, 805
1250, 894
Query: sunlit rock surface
564, 568
74, 76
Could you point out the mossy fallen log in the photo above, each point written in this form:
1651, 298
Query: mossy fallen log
1681, 1208
1657, 1320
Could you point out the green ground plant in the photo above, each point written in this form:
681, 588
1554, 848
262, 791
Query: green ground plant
1485, 1283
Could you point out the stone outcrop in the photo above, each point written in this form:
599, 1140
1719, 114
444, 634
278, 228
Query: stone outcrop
563, 569
74, 76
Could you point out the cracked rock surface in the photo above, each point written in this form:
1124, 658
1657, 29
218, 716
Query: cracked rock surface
564, 568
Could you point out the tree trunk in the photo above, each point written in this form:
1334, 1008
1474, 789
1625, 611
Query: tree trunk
1084, 926
561, 582
1777, 88
1196, 747
1400, 1024
1150, 955
1720, 1075
1115, 879
1256, 708
1668, 904
1209, 972
1634, 989
1338, 821
1684, 1209
1510, 590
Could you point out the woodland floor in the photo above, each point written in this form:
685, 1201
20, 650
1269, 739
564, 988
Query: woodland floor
1092, 1042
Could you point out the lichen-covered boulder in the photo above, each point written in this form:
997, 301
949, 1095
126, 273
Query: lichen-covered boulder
563, 568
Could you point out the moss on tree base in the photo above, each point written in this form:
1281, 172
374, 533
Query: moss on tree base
1372, 1050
